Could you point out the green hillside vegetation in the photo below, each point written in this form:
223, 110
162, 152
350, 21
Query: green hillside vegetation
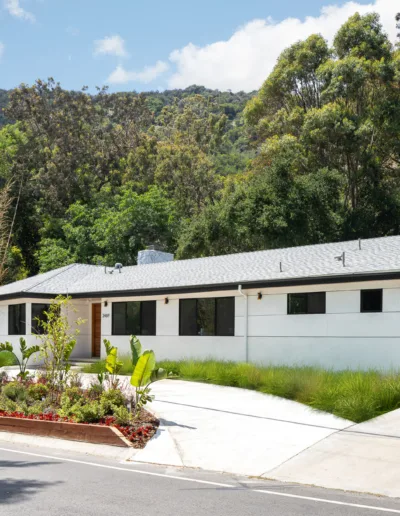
312, 157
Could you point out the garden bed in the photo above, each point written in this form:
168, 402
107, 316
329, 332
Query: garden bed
105, 432
354, 395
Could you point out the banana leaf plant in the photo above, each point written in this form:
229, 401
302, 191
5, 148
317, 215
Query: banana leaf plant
113, 365
26, 353
144, 373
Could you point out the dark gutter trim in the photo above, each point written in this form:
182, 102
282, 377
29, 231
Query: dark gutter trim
290, 282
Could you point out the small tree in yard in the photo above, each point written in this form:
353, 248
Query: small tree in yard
58, 340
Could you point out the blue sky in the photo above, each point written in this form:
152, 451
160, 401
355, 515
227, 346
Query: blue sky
157, 45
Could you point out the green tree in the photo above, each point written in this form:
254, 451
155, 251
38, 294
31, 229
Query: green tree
343, 109
112, 230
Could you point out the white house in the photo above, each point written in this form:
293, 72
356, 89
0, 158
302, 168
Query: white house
333, 305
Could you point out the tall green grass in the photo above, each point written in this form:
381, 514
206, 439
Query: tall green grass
100, 366
354, 395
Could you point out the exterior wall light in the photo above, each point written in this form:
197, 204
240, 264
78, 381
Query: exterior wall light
259, 296
166, 301
105, 303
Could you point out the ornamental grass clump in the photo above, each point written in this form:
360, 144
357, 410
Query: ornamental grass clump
353, 395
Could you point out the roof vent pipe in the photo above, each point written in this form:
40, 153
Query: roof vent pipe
341, 258
359, 244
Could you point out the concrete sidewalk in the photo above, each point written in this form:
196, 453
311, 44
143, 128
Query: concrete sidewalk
365, 457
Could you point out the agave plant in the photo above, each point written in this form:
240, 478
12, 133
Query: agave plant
26, 353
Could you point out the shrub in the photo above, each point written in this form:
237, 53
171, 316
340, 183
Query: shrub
74, 394
88, 413
38, 391
15, 391
122, 415
22, 407
7, 404
113, 397
37, 408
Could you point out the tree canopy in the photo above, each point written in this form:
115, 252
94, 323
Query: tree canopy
313, 156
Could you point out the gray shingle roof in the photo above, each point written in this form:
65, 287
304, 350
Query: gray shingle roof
377, 255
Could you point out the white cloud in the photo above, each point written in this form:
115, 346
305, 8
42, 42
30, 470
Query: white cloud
112, 45
245, 60
148, 74
15, 9
1, 49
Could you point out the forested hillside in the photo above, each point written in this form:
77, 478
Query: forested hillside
314, 156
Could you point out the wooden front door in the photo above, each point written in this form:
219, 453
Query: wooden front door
96, 329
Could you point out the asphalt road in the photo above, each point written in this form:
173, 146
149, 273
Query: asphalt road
39, 481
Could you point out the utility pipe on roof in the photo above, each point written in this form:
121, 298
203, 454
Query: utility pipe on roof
246, 343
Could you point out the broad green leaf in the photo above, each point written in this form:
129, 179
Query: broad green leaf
142, 372
7, 358
6, 346
136, 349
158, 374
112, 363
108, 346
30, 351
22, 345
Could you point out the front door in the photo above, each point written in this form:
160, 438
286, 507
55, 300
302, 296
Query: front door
96, 329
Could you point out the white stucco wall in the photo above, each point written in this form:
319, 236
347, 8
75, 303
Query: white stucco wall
339, 339
83, 311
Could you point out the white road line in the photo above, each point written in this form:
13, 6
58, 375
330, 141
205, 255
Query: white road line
140, 472
218, 484
324, 500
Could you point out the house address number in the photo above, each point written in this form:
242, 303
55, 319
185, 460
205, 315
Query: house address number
106, 315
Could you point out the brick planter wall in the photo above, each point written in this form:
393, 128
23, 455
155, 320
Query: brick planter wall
95, 434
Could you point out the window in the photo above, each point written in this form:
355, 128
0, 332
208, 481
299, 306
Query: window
225, 316
16, 319
371, 300
207, 316
134, 318
306, 303
38, 314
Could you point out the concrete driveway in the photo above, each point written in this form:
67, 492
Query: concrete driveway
231, 430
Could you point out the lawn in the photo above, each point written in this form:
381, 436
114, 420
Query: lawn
353, 395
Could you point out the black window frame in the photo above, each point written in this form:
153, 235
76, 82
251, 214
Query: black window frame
216, 332
307, 303
22, 319
35, 327
141, 316
362, 301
